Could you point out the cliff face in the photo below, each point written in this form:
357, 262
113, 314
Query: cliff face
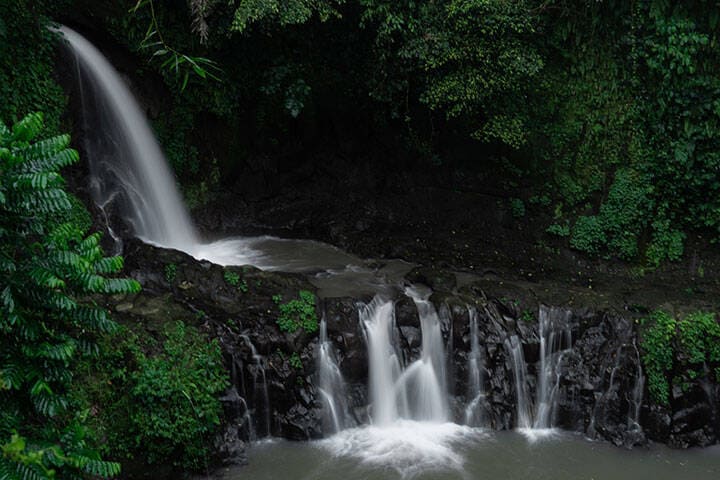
590, 358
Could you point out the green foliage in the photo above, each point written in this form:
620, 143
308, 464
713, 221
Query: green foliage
170, 272
699, 335
657, 354
629, 120
158, 398
559, 230
284, 12
27, 82
175, 64
621, 220
176, 397
297, 313
48, 272
295, 361
517, 207
445, 47
232, 278
688, 344
611, 108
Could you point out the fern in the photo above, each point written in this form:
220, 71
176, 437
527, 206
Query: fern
47, 270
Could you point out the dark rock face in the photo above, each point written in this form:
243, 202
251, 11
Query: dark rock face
600, 385
269, 395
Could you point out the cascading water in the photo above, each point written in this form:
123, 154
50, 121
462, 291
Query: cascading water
410, 426
555, 339
523, 418
261, 399
128, 168
475, 390
409, 404
417, 392
378, 321
637, 394
331, 384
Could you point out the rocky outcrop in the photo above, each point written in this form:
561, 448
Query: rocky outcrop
600, 386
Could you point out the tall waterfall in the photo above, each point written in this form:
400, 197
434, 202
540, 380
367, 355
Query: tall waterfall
128, 167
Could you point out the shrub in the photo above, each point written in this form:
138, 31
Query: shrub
158, 399
658, 354
687, 344
298, 313
232, 278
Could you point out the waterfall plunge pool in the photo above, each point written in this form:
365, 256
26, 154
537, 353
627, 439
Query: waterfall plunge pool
448, 452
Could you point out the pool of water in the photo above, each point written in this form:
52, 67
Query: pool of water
448, 451
334, 272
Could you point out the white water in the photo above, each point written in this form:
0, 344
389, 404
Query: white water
409, 405
261, 399
331, 384
131, 165
523, 416
475, 391
555, 339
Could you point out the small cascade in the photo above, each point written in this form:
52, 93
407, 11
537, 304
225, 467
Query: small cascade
555, 340
261, 400
431, 384
475, 389
637, 394
417, 392
127, 166
519, 367
331, 384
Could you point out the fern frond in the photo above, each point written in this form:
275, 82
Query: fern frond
109, 265
44, 149
27, 128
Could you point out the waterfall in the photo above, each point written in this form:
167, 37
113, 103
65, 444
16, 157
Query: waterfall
417, 392
555, 339
637, 394
555, 342
331, 384
475, 390
523, 414
261, 399
127, 166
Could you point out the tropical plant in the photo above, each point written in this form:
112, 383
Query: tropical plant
50, 275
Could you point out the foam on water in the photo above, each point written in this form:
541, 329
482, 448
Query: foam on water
407, 446
538, 434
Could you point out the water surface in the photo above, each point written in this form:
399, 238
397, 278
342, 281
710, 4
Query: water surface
445, 452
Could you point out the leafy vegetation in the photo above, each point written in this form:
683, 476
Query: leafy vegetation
27, 48
49, 272
689, 346
607, 109
232, 278
170, 272
297, 313
159, 396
